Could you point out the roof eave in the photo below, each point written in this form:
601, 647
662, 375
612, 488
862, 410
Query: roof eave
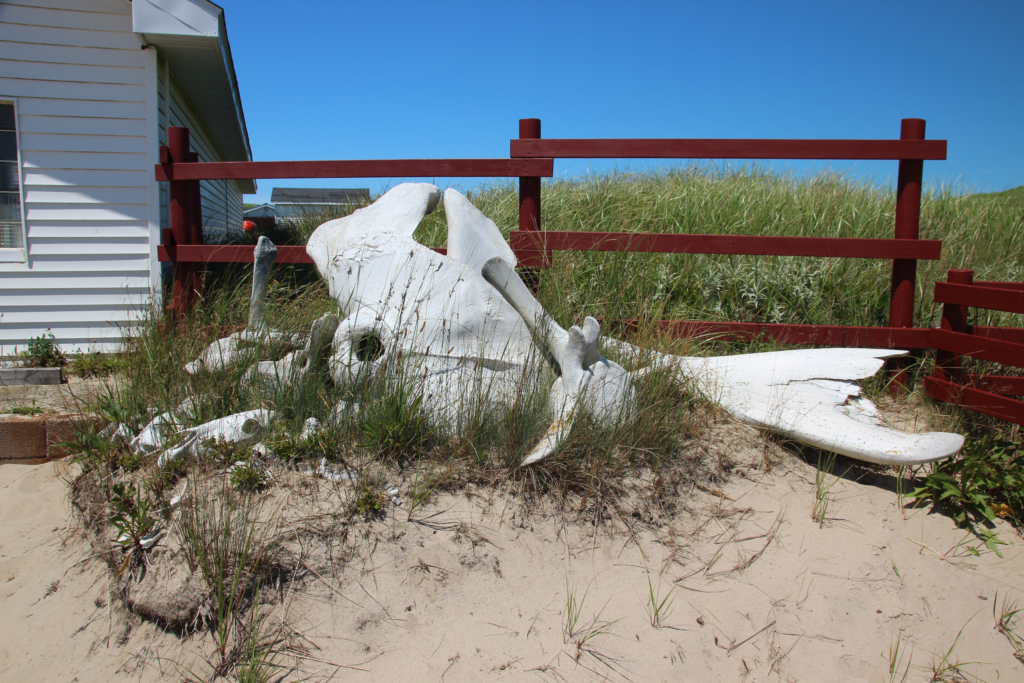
192, 36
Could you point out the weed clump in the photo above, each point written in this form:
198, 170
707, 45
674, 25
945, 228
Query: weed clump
43, 352
984, 481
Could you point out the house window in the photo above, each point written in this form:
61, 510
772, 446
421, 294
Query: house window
10, 185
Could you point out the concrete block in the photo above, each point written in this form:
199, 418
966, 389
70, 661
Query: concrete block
16, 376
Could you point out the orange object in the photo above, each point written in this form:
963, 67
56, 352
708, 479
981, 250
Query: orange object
248, 225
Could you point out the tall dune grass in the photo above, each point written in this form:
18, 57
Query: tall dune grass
983, 232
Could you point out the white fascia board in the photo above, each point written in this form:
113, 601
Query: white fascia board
257, 208
187, 33
176, 17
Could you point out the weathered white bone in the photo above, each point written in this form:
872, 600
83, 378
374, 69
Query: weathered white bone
231, 349
264, 256
309, 428
430, 304
241, 428
465, 326
806, 395
588, 381
295, 366
432, 317
175, 501
155, 433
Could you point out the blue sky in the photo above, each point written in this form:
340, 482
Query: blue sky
341, 80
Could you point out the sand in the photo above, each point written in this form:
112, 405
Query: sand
475, 588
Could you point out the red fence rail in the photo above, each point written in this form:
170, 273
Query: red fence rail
911, 150
987, 394
183, 241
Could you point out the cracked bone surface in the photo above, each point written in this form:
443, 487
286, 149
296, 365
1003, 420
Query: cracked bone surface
807, 395
467, 327
241, 428
456, 337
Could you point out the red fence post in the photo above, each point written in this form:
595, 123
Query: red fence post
180, 218
529, 212
908, 220
195, 200
529, 186
954, 317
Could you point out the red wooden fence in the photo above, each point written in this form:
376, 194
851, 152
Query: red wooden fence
182, 244
532, 158
987, 394
905, 249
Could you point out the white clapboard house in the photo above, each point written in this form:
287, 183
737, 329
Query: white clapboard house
87, 91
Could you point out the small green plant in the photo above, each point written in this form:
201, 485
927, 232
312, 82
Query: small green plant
288, 446
984, 481
823, 483
1005, 614
27, 409
131, 519
249, 477
95, 364
658, 605
947, 667
897, 651
110, 409
44, 352
369, 501
95, 450
395, 424
258, 650
424, 486
226, 453
87, 446
222, 538
574, 629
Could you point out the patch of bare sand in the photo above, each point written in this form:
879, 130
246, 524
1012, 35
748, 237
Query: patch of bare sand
475, 586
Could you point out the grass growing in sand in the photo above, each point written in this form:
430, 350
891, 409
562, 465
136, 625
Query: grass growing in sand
225, 533
824, 480
1005, 612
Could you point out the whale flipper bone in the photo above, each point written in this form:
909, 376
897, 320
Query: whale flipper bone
809, 396
548, 334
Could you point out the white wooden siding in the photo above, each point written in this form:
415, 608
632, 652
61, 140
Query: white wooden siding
221, 199
84, 93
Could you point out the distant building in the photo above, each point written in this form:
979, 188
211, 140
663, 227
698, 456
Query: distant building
296, 202
263, 217
261, 211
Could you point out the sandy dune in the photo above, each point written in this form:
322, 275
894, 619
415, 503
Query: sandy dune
476, 589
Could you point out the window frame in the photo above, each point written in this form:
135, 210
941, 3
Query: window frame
17, 254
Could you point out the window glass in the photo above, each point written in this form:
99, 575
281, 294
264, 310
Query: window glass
8, 178
10, 192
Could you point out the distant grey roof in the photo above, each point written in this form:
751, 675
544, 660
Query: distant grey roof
316, 195
260, 211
